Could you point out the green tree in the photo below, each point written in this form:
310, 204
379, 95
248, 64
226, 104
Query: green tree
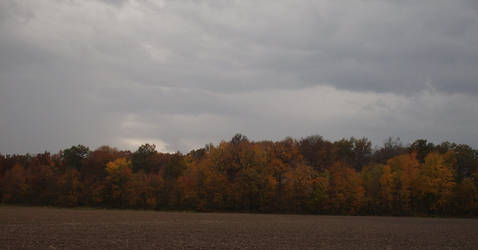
320, 193
386, 192
75, 156
144, 158
422, 149
371, 175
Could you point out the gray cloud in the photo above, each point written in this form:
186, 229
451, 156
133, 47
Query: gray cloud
185, 73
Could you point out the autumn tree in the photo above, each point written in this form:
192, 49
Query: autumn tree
69, 187
282, 157
465, 198
346, 190
118, 183
203, 187
436, 182
250, 185
318, 153
14, 185
405, 169
278, 170
299, 188
145, 190
387, 189
95, 166
41, 181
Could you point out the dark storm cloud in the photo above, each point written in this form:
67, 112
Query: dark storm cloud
185, 73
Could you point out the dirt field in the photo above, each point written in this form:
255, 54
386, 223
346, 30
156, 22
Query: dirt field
24, 227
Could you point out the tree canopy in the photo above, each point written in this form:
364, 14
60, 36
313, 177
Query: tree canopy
310, 175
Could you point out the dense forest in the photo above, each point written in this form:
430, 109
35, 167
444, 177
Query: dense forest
311, 175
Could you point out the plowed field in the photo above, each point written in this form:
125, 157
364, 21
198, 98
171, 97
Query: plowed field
43, 228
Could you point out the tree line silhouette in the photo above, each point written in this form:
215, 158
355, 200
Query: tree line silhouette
311, 175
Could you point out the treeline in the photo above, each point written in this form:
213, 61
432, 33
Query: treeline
312, 175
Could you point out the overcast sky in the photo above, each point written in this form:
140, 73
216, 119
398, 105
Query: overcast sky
181, 74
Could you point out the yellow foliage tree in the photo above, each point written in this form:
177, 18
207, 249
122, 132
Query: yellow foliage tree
405, 169
119, 181
386, 188
298, 187
436, 182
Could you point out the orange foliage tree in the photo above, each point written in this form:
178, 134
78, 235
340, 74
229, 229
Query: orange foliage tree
14, 185
405, 169
346, 190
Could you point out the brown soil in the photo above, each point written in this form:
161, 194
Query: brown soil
33, 227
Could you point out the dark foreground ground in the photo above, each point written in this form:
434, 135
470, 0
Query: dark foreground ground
50, 228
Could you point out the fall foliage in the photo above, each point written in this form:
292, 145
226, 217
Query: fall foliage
311, 175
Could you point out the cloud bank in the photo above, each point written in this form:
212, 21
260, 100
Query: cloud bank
181, 74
